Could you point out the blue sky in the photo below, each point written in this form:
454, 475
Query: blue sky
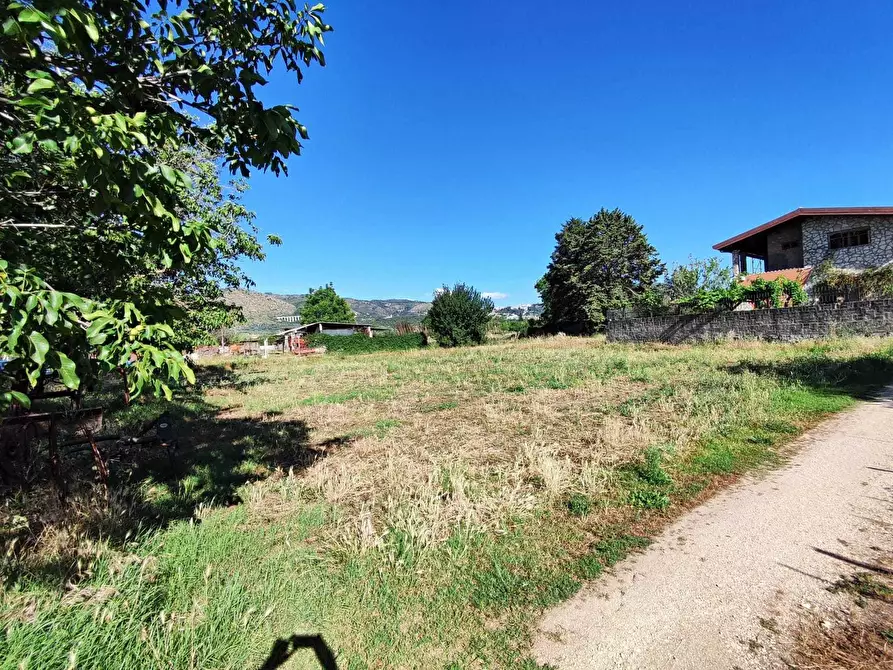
449, 141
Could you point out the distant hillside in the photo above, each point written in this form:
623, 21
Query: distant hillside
261, 310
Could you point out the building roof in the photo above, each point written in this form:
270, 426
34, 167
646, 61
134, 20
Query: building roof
729, 244
328, 325
799, 275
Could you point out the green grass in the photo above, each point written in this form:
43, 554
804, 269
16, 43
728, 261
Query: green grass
417, 509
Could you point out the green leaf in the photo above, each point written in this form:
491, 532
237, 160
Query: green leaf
95, 328
18, 397
40, 85
50, 315
28, 15
55, 299
188, 373
92, 30
22, 145
11, 27
170, 174
15, 334
41, 347
68, 371
49, 145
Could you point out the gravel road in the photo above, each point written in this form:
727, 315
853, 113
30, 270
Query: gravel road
726, 585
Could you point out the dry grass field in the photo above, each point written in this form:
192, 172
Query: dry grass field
418, 509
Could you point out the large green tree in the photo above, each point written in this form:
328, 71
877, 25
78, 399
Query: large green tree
699, 274
102, 107
598, 264
324, 304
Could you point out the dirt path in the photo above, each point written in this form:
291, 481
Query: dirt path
725, 586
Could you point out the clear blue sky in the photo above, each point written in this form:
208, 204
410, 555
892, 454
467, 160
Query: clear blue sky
449, 141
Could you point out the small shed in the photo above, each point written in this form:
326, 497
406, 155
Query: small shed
292, 337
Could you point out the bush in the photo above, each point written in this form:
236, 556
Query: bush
363, 344
459, 316
505, 326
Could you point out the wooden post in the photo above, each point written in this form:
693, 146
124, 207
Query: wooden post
55, 463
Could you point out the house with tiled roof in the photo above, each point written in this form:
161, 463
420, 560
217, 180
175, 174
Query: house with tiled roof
851, 238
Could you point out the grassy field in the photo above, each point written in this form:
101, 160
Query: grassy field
417, 509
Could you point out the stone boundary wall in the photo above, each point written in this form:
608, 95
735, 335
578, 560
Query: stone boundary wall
788, 324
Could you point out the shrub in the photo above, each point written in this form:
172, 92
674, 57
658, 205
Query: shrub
363, 344
459, 316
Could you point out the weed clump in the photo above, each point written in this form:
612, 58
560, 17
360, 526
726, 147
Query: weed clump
579, 505
649, 498
652, 469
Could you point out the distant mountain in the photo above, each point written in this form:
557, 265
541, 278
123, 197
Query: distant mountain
261, 310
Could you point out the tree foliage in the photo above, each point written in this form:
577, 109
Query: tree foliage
459, 316
103, 107
324, 304
707, 274
600, 264
781, 292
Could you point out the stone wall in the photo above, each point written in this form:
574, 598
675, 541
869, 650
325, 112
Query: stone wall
777, 256
788, 324
816, 230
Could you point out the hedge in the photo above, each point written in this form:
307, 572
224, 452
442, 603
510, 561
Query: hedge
363, 344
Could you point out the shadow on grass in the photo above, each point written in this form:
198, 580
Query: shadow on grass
859, 378
284, 649
217, 454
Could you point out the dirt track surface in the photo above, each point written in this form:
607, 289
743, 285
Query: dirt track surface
727, 584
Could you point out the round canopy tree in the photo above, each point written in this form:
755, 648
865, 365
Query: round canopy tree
324, 304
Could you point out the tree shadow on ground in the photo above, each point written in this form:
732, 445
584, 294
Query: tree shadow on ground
859, 377
217, 454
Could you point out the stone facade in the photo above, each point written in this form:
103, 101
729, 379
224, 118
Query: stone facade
788, 324
784, 247
817, 230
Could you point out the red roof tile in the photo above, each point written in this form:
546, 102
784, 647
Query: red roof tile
800, 275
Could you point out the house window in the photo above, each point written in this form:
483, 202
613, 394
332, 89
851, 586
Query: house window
849, 238
793, 244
